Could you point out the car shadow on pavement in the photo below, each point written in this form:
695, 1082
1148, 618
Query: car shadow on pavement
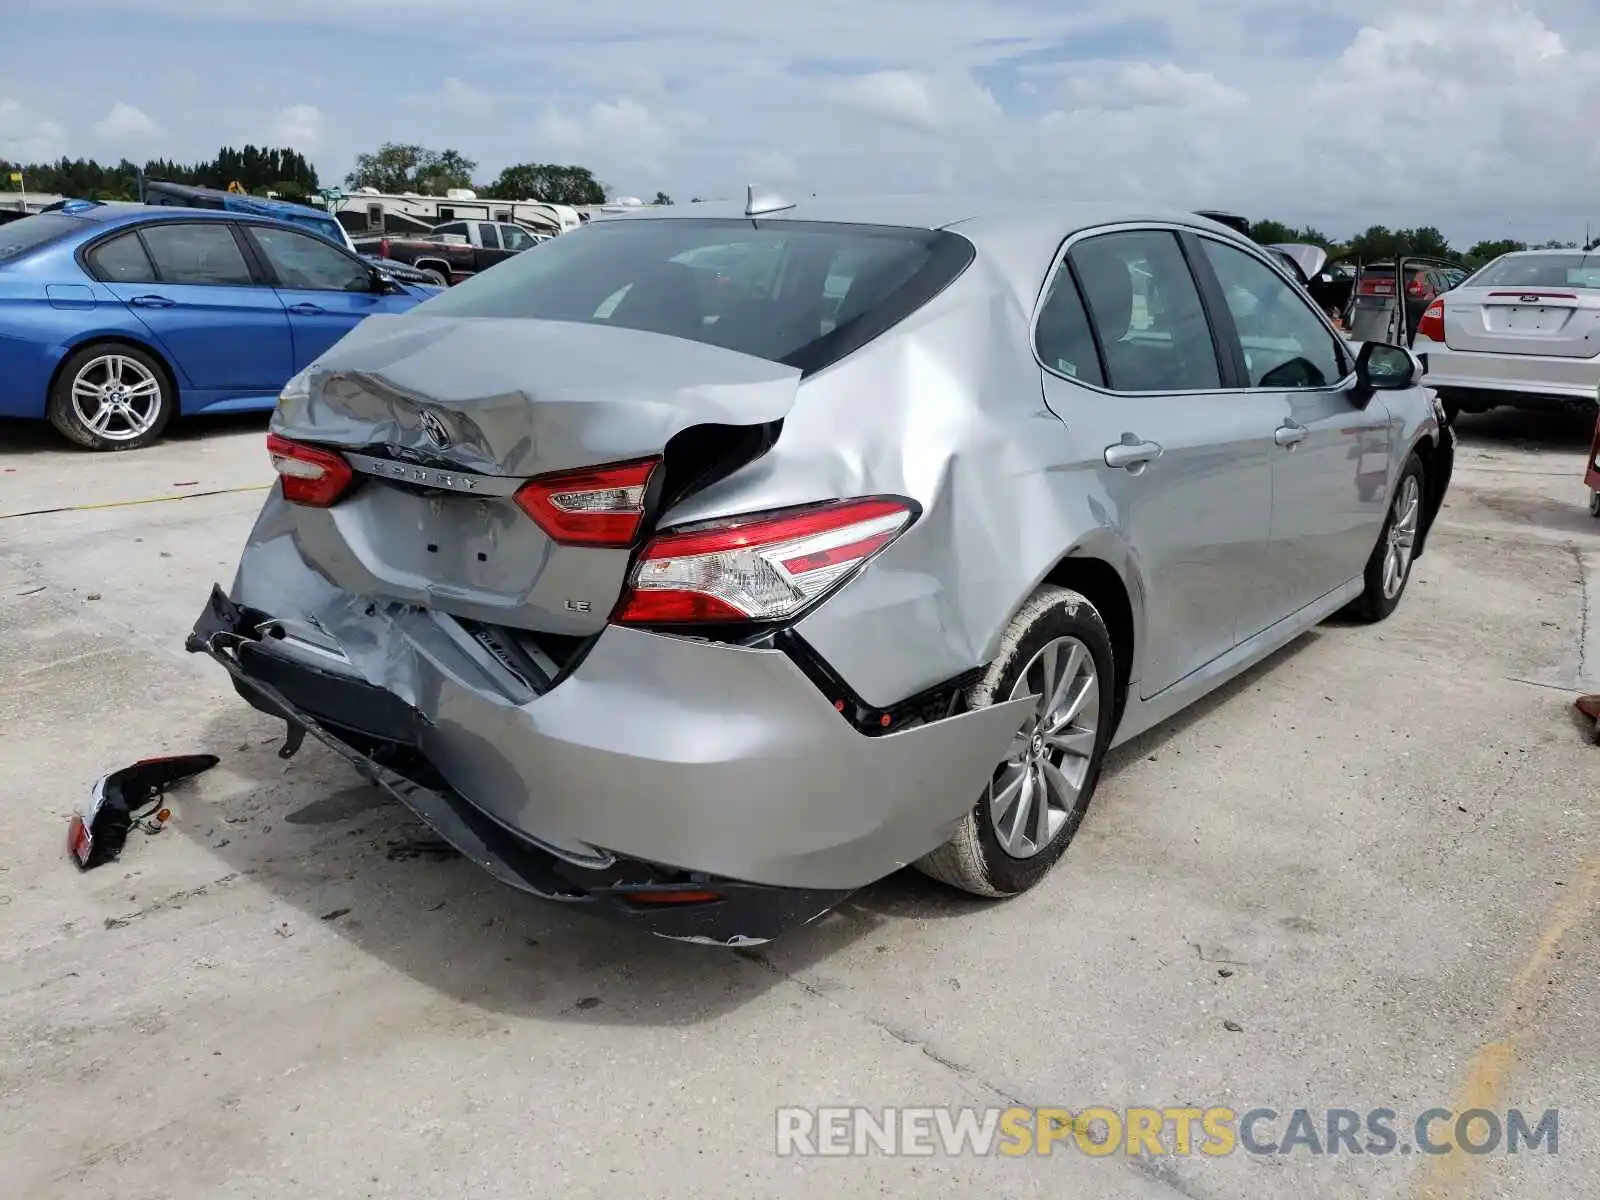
1528, 429
21, 439
342, 855
339, 853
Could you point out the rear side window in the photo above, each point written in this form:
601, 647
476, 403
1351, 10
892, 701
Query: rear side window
488, 235
19, 237
797, 292
122, 260
1062, 336
1146, 308
198, 254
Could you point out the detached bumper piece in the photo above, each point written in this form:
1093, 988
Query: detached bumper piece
377, 734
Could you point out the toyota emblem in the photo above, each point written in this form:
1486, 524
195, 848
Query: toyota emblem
435, 430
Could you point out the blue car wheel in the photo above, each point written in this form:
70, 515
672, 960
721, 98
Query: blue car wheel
111, 396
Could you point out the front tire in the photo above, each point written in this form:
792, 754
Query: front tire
1594, 503
111, 396
1057, 649
1389, 566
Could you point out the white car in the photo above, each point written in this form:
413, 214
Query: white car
1524, 330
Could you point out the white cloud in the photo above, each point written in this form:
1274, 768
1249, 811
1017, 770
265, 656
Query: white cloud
463, 100
125, 122
298, 126
1158, 85
770, 166
27, 138
622, 125
1475, 115
922, 102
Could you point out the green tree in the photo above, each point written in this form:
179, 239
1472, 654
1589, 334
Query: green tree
550, 182
447, 169
662, 198
396, 167
1482, 252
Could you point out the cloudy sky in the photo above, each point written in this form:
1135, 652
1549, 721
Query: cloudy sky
1479, 116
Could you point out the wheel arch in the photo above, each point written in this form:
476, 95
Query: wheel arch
89, 340
1110, 581
1435, 480
435, 264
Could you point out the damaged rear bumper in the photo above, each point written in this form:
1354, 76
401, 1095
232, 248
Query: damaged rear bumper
659, 764
373, 732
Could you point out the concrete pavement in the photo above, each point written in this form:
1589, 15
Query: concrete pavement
1364, 875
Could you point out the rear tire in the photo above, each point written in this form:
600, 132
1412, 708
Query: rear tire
111, 396
1057, 647
1594, 503
1389, 567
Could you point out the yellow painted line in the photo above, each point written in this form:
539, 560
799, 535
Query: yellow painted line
1450, 1176
41, 512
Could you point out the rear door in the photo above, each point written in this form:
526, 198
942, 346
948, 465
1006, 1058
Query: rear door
1329, 456
191, 286
1183, 463
324, 291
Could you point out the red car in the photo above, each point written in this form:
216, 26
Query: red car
1591, 474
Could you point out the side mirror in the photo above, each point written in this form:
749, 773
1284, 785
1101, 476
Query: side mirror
1382, 367
384, 284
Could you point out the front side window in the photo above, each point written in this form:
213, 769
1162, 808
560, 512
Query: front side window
196, 254
302, 261
1285, 343
788, 291
514, 237
1146, 308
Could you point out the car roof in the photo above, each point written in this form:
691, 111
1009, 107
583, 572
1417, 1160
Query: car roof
121, 212
1543, 251
935, 212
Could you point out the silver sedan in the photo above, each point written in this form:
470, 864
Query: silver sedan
1524, 330
713, 563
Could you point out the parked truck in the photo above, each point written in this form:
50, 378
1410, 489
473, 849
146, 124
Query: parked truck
451, 252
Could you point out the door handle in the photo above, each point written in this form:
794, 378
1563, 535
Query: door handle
306, 310
1289, 433
1131, 453
152, 302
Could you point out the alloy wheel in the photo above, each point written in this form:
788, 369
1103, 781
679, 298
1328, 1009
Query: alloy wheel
1039, 785
1404, 518
116, 397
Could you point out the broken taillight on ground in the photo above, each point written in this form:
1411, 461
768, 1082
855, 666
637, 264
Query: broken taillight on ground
758, 568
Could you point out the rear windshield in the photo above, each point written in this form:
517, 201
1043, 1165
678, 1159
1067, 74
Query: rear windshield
796, 292
1575, 270
18, 237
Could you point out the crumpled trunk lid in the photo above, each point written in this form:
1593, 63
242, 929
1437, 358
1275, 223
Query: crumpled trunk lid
445, 418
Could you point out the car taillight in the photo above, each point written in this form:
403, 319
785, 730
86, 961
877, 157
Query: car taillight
758, 568
1431, 326
597, 506
383, 248
310, 475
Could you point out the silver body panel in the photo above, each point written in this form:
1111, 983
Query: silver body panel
725, 758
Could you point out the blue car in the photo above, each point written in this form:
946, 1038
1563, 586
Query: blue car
116, 318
